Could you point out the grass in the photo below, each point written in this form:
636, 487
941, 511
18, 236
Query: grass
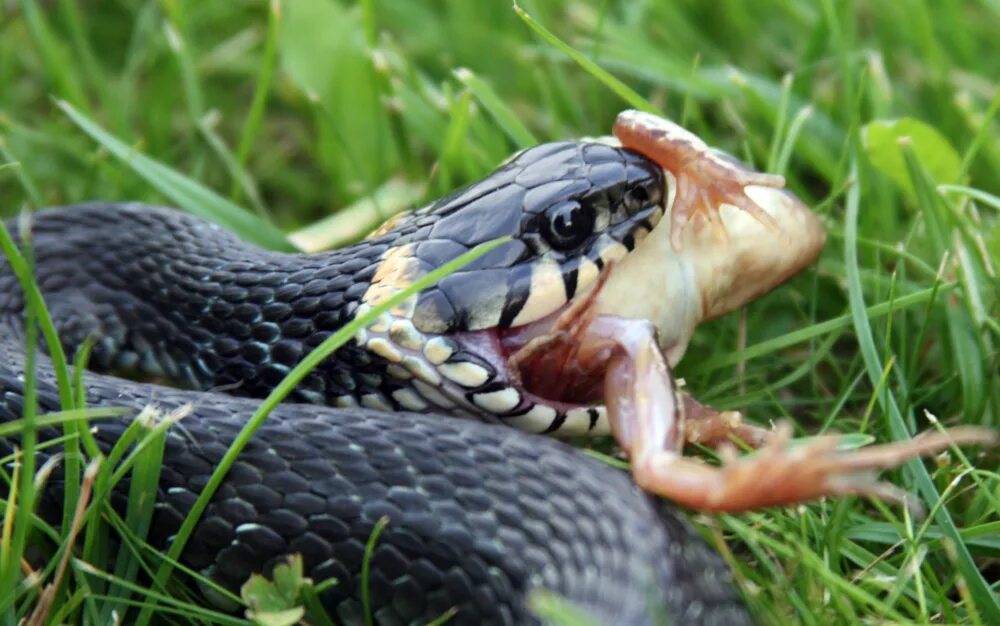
273, 116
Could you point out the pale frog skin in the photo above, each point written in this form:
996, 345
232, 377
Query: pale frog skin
718, 269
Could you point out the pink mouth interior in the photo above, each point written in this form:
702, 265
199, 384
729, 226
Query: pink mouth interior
556, 363
563, 375
575, 357
561, 360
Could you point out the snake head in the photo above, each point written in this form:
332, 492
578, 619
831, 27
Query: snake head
571, 210
580, 215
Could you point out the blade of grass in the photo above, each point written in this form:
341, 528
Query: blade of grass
623, 91
10, 575
206, 126
58, 66
164, 601
976, 194
982, 134
366, 565
35, 302
966, 346
382, 81
188, 194
509, 122
985, 601
7, 552
142, 491
29, 186
557, 611
354, 222
817, 330
454, 137
262, 87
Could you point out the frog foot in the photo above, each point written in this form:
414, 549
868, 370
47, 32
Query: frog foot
705, 178
712, 427
781, 473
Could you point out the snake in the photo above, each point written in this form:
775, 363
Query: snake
482, 512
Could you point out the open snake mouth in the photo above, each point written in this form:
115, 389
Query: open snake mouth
471, 343
545, 376
550, 374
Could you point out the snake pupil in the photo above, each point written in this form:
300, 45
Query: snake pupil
569, 225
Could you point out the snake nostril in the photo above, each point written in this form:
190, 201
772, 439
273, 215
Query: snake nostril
637, 198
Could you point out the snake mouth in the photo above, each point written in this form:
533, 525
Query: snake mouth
555, 368
547, 395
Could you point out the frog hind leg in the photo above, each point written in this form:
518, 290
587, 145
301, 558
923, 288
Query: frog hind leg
648, 418
782, 473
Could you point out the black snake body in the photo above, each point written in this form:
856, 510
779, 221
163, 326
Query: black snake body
480, 515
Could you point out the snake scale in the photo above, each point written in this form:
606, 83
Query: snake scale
480, 514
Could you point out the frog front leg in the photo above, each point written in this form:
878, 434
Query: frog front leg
705, 179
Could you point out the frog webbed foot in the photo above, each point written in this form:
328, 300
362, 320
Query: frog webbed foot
710, 180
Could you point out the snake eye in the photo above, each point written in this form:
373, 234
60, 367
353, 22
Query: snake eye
568, 225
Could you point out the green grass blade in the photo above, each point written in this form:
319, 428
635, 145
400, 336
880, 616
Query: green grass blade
262, 87
188, 194
163, 602
986, 602
142, 493
818, 330
56, 60
557, 611
366, 566
357, 220
29, 186
625, 92
509, 122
